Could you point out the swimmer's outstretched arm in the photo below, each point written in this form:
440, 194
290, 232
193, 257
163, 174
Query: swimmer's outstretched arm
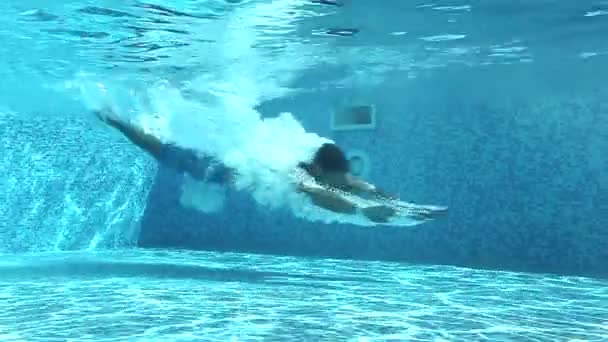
368, 189
336, 203
327, 199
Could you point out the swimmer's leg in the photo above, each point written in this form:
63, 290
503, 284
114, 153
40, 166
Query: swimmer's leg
178, 158
136, 135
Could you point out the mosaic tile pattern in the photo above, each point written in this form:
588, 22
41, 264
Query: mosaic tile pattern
68, 184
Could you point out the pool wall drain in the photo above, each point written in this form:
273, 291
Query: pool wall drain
360, 164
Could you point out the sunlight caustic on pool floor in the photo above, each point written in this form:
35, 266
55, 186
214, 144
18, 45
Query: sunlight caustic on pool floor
154, 295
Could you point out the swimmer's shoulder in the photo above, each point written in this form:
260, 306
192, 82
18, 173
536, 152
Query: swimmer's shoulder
301, 176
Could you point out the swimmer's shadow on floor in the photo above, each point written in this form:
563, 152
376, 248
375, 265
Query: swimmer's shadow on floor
113, 269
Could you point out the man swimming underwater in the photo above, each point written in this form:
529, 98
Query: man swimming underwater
328, 173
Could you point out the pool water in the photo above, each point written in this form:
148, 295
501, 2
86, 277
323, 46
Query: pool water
150, 295
77, 197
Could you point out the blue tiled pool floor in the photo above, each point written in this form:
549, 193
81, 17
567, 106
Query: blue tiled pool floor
194, 296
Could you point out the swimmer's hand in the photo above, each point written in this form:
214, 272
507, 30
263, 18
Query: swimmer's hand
422, 212
379, 214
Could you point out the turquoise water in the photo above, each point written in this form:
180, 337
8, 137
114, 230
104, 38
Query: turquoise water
196, 296
75, 194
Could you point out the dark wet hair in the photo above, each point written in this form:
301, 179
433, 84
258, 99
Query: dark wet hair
330, 158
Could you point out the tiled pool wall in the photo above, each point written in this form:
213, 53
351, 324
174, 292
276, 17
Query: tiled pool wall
518, 154
68, 183
520, 162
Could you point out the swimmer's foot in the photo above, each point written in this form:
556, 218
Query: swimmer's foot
106, 115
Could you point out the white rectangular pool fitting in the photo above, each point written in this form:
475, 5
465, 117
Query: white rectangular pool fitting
356, 117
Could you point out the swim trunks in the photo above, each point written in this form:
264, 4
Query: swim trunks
200, 167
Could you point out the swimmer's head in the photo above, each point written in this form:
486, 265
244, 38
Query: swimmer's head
329, 165
330, 158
